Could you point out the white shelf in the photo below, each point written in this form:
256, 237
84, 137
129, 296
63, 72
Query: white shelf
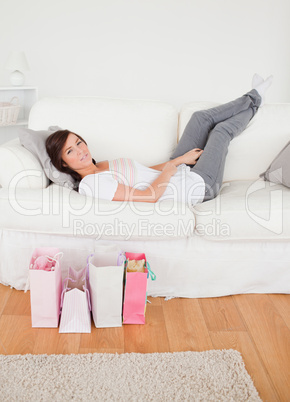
27, 96
16, 88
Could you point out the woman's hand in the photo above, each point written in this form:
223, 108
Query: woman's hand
189, 158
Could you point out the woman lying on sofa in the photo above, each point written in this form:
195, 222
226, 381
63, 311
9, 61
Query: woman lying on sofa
194, 173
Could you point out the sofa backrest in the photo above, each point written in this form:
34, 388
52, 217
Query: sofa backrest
146, 131
142, 130
253, 150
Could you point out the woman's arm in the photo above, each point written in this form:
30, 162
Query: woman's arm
188, 158
161, 166
152, 193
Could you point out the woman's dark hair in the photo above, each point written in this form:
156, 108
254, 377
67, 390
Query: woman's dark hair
54, 145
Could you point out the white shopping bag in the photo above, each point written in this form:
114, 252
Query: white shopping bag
75, 302
106, 273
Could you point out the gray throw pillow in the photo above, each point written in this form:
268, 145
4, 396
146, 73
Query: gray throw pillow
279, 169
34, 141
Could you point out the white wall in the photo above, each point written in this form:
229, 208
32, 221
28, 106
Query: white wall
171, 50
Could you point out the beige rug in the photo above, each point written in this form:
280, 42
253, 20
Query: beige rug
216, 375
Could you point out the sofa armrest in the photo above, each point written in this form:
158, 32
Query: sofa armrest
20, 167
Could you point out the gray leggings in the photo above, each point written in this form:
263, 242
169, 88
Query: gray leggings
212, 130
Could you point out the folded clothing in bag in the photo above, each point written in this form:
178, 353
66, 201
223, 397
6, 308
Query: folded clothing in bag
136, 265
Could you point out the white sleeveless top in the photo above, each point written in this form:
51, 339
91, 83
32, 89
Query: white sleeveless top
185, 186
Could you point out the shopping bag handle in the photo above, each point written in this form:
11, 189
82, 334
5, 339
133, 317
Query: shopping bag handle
86, 290
64, 289
62, 297
121, 254
88, 259
49, 258
54, 258
88, 268
68, 278
151, 273
60, 254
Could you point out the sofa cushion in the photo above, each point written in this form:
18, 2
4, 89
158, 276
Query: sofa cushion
59, 210
279, 169
113, 128
244, 210
249, 210
21, 168
34, 141
250, 153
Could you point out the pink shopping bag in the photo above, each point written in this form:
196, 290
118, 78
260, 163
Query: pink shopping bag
135, 294
45, 287
75, 303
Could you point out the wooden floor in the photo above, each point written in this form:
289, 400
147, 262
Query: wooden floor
258, 326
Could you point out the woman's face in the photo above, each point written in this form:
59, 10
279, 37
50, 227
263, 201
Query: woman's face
75, 153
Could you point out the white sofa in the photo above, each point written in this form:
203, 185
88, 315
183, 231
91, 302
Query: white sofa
237, 243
